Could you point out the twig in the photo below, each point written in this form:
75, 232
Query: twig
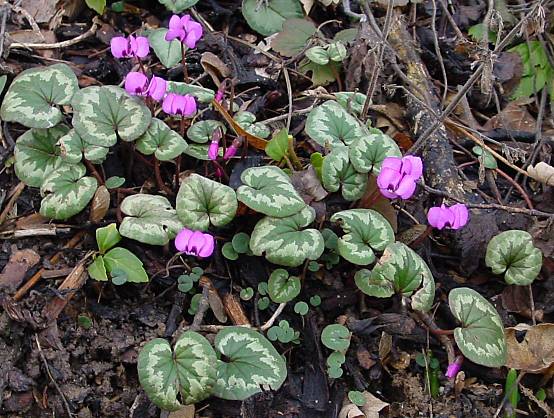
29, 18
508, 393
9, 206
285, 116
517, 186
438, 51
202, 309
434, 329
274, 317
289, 92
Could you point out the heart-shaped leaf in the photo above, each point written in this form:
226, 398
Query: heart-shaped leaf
150, 219
278, 146
337, 171
107, 237
247, 121
331, 124
268, 190
162, 141
102, 114
268, 17
281, 287
187, 370
365, 230
513, 253
336, 51
200, 151
177, 6
253, 364
169, 53
202, 94
283, 240
399, 270
351, 101
37, 155
318, 54
122, 259
201, 132
97, 270
336, 337
73, 148
202, 201
34, 94
481, 336
368, 152
66, 192
294, 37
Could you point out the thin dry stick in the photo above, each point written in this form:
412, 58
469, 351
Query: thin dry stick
289, 92
202, 309
29, 18
17, 192
274, 317
507, 394
438, 52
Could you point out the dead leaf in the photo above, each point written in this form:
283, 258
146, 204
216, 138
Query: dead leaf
351, 411
535, 353
364, 358
516, 299
542, 172
514, 117
412, 234
401, 361
100, 204
385, 346
42, 11
186, 411
216, 68
371, 408
21, 261
308, 185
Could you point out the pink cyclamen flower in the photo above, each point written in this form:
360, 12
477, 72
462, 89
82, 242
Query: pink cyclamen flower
176, 104
454, 368
136, 83
230, 152
195, 243
398, 176
185, 29
453, 217
213, 149
157, 88
129, 47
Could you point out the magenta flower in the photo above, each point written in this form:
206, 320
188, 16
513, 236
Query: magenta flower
195, 243
453, 217
185, 29
213, 149
398, 176
176, 104
129, 47
156, 88
454, 368
230, 152
136, 83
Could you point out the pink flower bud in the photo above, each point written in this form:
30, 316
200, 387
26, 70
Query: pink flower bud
213, 150
454, 368
176, 104
122, 47
230, 152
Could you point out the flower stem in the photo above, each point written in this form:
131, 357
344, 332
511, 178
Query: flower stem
184, 63
159, 180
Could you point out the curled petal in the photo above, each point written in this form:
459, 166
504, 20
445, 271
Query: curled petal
388, 178
189, 107
406, 187
230, 152
208, 247
175, 22
182, 239
439, 216
174, 34
167, 105
388, 194
142, 47
213, 150
119, 47
136, 83
157, 88
196, 242
393, 163
460, 215
412, 166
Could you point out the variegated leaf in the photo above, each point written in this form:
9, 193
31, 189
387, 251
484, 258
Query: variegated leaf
368, 152
268, 17
365, 230
337, 171
253, 364
66, 192
162, 141
150, 219
336, 51
351, 101
34, 94
268, 190
513, 253
73, 148
202, 94
202, 201
481, 336
102, 114
399, 270
318, 54
330, 124
201, 132
177, 6
187, 370
283, 240
247, 121
281, 287
169, 53
200, 151
37, 154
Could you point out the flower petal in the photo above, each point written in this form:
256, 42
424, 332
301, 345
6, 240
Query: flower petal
412, 166
136, 83
143, 47
157, 88
438, 217
388, 194
213, 150
118, 46
208, 247
182, 239
196, 242
175, 23
388, 178
167, 105
460, 215
189, 105
394, 163
406, 187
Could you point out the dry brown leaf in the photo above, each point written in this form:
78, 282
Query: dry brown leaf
307, 183
514, 117
542, 172
21, 261
216, 68
100, 204
516, 299
385, 345
186, 411
351, 411
42, 11
535, 353
371, 409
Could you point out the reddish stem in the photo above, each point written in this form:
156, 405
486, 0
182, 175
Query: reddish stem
159, 179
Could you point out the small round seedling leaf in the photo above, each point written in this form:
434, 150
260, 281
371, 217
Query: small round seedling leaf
331, 124
194, 303
368, 152
107, 237
336, 51
481, 335
102, 114
253, 363
365, 230
335, 372
185, 283
336, 359
336, 337
318, 54
488, 159
263, 303
187, 370
149, 219
281, 287
114, 182
313, 266
201, 202
34, 95
315, 300
262, 288
122, 259
247, 293
162, 141
241, 242
229, 252
84, 321
513, 254
283, 240
268, 17
357, 398
37, 155
65, 192
169, 53
177, 6
301, 308
201, 132
268, 190
337, 172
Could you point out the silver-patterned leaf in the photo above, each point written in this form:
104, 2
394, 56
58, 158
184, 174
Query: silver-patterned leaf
337, 171
267, 17
253, 364
150, 219
73, 148
351, 101
201, 132
202, 94
37, 154
368, 152
201, 202
162, 141
365, 230
268, 190
331, 124
177, 6
188, 370
200, 151
34, 95
513, 253
169, 53
247, 121
481, 336
66, 192
285, 242
102, 114
281, 287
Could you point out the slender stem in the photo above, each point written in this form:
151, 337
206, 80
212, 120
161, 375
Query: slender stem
293, 157
184, 63
159, 179
93, 171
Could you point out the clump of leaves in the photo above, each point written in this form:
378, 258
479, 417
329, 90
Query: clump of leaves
337, 172
283, 333
321, 55
336, 337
